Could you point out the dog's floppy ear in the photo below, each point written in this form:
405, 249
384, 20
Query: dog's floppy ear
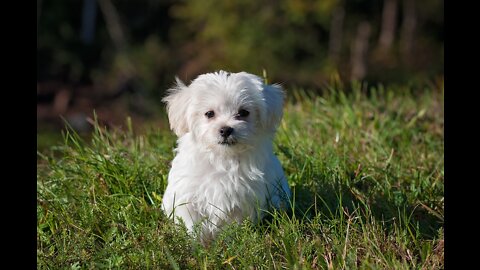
178, 99
273, 96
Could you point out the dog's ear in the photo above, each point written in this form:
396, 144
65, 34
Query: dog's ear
273, 96
177, 100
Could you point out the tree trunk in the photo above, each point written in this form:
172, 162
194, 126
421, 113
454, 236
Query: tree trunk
116, 33
336, 33
359, 51
408, 30
389, 24
89, 14
113, 24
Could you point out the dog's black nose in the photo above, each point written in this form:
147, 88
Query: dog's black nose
226, 131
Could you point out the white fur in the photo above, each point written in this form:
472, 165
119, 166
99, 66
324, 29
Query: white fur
213, 184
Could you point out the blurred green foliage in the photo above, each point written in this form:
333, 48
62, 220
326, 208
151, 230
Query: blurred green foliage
288, 38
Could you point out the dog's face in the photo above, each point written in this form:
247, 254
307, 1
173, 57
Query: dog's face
225, 111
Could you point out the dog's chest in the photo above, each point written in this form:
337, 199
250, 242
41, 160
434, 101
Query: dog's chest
231, 189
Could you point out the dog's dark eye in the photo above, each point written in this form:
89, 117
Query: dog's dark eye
210, 114
243, 113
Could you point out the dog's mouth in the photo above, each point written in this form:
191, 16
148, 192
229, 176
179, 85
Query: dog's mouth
227, 142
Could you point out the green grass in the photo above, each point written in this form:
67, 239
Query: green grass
367, 172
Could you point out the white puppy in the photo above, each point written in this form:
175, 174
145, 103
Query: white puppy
224, 170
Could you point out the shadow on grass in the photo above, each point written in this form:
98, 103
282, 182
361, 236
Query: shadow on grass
321, 194
328, 199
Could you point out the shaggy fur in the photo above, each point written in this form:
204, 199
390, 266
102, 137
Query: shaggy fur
214, 179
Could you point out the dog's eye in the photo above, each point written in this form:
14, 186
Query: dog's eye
210, 114
243, 113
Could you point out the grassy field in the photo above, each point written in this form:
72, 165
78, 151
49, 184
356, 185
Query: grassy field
367, 172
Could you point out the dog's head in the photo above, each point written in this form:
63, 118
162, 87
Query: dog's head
225, 110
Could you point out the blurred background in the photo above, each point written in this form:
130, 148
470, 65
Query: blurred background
118, 57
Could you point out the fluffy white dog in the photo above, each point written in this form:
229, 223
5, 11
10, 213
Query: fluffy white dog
224, 170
